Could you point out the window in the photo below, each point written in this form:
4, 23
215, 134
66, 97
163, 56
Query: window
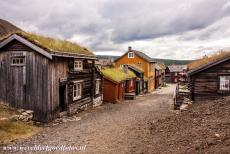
130, 55
97, 88
121, 66
77, 90
78, 65
224, 82
131, 83
18, 61
139, 64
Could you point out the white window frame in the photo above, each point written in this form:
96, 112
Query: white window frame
77, 90
18, 60
224, 80
121, 66
97, 86
78, 65
130, 53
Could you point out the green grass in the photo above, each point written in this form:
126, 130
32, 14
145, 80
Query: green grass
117, 75
54, 44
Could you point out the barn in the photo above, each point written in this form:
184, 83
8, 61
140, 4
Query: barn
46, 75
209, 77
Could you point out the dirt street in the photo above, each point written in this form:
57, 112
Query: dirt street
110, 128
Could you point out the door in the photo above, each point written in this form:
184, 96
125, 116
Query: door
16, 89
62, 98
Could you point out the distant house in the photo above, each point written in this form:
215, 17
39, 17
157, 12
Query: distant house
140, 79
175, 73
117, 84
209, 77
160, 74
47, 75
141, 60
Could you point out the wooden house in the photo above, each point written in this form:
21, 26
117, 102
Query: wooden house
117, 83
175, 73
141, 60
140, 80
160, 74
47, 75
209, 77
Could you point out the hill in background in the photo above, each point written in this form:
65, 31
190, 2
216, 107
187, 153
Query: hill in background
7, 28
167, 62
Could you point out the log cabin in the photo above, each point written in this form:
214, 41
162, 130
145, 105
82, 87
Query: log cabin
46, 75
141, 60
209, 77
118, 84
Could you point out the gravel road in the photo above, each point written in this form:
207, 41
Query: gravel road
110, 128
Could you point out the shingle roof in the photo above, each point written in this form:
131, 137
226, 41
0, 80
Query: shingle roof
140, 54
177, 68
144, 56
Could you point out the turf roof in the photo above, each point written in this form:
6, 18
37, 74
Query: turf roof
206, 60
53, 44
117, 75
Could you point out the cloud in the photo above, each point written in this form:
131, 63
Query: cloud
178, 29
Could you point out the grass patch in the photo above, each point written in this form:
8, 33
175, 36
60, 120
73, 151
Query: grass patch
53, 44
13, 130
117, 75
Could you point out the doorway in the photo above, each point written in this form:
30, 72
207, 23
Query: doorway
62, 98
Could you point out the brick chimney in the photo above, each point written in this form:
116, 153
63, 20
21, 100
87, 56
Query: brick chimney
129, 48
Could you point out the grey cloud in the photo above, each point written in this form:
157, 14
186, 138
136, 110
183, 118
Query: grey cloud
112, 25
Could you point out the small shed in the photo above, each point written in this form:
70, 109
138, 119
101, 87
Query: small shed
117, 83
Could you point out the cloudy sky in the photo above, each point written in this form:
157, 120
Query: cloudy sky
176, 29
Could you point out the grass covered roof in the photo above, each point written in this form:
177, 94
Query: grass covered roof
53, 44
208, 60
117, 75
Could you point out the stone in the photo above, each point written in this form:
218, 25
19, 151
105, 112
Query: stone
211, 141
20, 110
15, 117
24, 113
29, 111
217, 135
2, 119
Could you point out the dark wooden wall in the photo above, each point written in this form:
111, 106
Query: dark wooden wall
205, 84
24, 86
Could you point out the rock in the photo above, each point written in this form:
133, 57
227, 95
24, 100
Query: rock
29, 111
184, 107
211, 141
24, 113
64, 120
2, 119
20, 110
15, 117
217, 135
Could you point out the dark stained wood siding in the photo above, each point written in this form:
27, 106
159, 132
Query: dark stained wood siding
24, 86
205, 84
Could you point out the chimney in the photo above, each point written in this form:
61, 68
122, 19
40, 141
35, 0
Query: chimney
129, 48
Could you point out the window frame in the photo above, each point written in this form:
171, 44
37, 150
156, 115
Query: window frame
16, 61
78, 65
220, 88
78, 91
130, 53
97, 86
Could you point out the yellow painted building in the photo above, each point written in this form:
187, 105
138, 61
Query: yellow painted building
141, 60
